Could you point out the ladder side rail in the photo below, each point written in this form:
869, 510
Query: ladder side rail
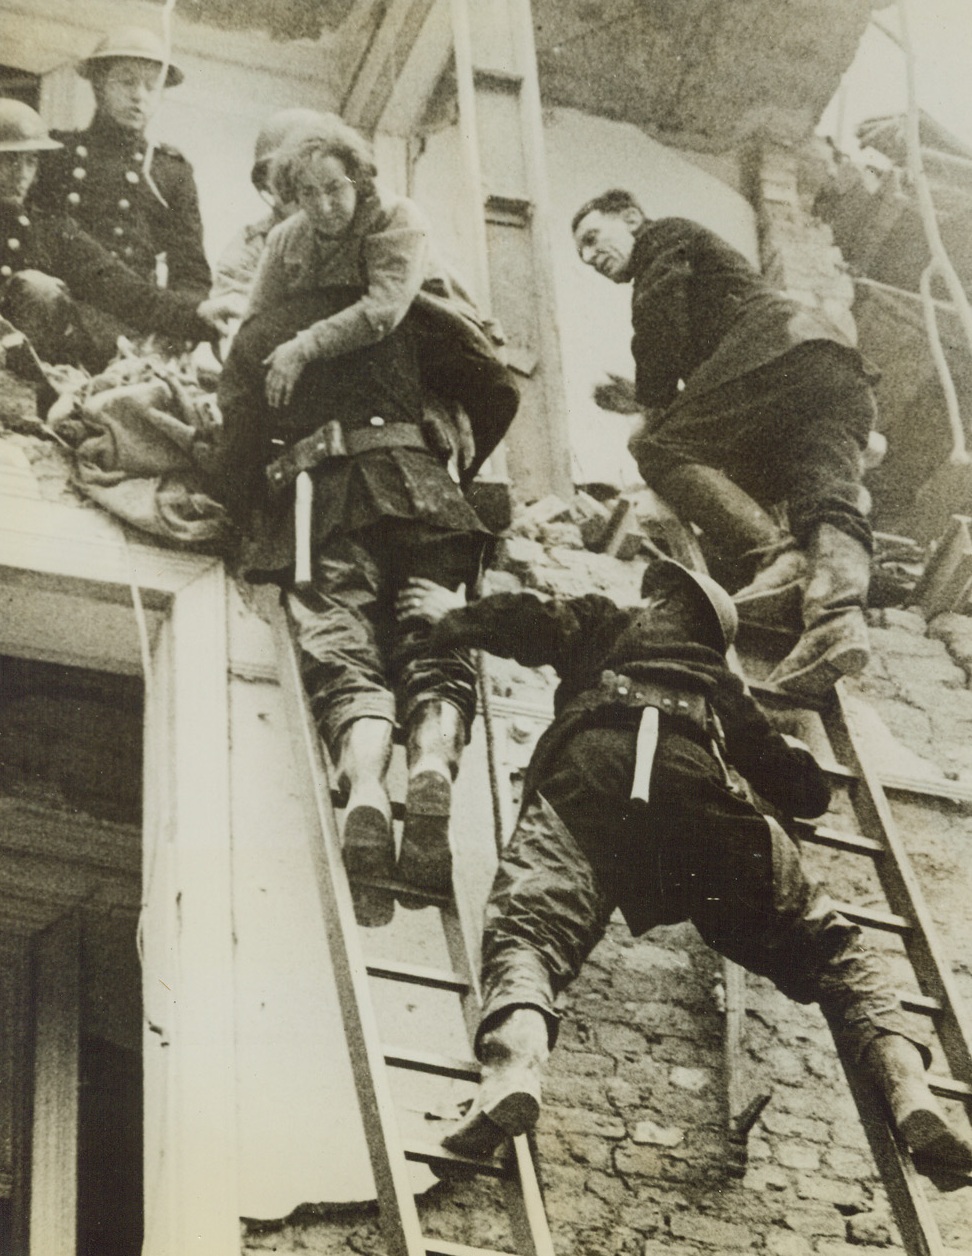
901, 887
524, 1202
905, 1191
398, 1213
524, 1197
684, 546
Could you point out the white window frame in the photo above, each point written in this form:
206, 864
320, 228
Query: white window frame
190, 1136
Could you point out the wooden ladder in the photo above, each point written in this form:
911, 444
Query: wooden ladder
874, 837
833, 728
371, 1059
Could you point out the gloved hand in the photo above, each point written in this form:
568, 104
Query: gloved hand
617, 395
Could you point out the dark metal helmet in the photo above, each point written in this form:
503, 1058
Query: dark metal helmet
22, 129
718, 600
135, 42
274, 133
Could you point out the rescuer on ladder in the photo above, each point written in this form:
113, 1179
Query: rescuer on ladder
326, 382
751, 400
628, 803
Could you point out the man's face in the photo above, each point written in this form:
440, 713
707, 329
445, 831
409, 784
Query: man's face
129, 91
605, 241
17, 173
327, 195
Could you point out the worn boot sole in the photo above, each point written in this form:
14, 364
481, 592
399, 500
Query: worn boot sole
937, 1149
772, 608
369, 852
821, 674
425, 860
483, 1131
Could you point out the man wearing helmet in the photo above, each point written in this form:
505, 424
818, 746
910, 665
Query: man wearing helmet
47, 263
627, 803
237, 265
137, 197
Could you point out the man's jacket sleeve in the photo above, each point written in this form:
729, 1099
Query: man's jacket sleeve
182, 227
661, 323
522, 627
93, 275
786, 776
396, 262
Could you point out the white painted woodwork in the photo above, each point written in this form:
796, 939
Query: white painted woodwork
188, 934
54, 1151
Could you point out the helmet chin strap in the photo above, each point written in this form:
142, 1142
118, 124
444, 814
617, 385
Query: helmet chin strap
167, 59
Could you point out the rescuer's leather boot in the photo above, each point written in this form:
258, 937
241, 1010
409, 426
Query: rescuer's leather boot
434, 741
774, 596
896, 1068
725, 512
368, 842
835, 641
513, 1055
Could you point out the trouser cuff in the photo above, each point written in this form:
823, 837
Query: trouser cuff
519, 979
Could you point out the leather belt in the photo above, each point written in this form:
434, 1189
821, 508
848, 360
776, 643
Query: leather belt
332, 441
647, 693
651, 698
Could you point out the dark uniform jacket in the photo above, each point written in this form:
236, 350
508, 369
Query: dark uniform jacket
703, 314
98, 178
57, 246
582, 638
376, 388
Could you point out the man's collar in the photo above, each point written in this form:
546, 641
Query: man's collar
117, 136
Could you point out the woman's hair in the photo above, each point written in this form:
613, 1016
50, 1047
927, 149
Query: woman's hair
330, 136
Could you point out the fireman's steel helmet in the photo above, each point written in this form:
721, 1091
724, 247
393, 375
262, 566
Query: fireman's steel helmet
275, 132
132, 43
22, 129
718, 600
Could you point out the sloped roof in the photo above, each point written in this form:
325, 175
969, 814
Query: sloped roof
282, 19
705, 74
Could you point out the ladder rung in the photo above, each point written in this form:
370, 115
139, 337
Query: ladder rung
777, 697
838, 772
436, 1247
923, 1004
497, 80
949, 1087
854, 843
434, 1154
888, 921
417, 975
431, 1062
431, 898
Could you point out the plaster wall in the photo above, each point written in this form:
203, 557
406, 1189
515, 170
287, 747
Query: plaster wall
586, 155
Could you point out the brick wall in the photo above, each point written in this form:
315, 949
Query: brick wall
634, 1152
632, 1139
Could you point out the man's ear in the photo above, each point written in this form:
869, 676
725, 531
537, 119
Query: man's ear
632, 216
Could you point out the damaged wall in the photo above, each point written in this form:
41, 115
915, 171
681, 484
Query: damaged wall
632, 1137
